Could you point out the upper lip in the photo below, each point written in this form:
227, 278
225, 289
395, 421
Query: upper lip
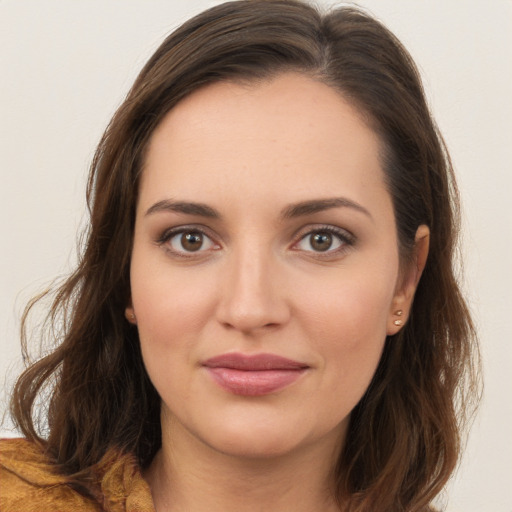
254, 362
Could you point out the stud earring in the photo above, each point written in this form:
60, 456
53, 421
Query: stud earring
130, 316
398, 323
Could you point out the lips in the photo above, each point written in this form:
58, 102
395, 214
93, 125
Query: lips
254, 375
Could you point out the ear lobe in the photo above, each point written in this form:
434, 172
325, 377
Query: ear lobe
404, 296
129, 313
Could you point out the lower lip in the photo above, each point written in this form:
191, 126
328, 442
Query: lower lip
254, 383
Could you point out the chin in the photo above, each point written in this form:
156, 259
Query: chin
260, 439
257, 445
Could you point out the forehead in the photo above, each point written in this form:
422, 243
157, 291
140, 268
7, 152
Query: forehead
291, 134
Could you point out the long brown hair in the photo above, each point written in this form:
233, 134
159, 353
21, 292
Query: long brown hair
404, 437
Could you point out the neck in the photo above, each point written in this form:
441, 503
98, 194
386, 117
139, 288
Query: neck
187, 475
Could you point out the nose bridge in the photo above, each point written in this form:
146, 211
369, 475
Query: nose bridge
251, 297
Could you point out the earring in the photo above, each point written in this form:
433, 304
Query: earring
398, 323
130, 316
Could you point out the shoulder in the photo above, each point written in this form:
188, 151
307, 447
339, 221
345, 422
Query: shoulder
28, 482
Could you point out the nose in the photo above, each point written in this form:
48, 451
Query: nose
253, 297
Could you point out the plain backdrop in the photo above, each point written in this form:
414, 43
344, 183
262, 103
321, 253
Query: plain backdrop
66, 66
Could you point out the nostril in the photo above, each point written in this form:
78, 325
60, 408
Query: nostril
250, 327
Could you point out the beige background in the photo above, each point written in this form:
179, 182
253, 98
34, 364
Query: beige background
65, 67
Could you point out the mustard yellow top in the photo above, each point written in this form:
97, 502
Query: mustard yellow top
29, 484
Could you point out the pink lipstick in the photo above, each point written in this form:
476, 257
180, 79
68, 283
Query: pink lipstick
254, 375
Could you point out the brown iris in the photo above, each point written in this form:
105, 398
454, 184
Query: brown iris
321, 241
192, 241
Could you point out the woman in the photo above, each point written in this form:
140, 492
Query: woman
265, 314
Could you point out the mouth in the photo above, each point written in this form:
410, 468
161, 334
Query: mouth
254, 375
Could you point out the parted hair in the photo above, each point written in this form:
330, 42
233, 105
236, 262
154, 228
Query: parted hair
405, 435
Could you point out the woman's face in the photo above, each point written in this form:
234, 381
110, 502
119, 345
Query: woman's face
265, 267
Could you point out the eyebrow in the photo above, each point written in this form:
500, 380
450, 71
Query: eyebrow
289, 212
189, 208
319, 205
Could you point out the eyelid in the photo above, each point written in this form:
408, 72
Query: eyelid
170, 233
346, 237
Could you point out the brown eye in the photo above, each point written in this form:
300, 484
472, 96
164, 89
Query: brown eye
329, 241
186, 242
192, 241
321, 241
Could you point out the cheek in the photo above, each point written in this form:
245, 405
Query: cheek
171, 314
347, 323
351, 304
171, 309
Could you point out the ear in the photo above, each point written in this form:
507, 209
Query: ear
404, 294
129, 313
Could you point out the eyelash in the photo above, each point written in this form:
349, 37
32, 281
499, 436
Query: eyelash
169, 234
345, 238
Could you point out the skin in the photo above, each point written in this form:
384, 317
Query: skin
258, 284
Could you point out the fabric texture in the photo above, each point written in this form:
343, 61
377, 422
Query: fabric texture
28, 483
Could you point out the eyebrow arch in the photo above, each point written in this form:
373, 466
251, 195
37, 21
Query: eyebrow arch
291, 211
189, 208
319, 205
